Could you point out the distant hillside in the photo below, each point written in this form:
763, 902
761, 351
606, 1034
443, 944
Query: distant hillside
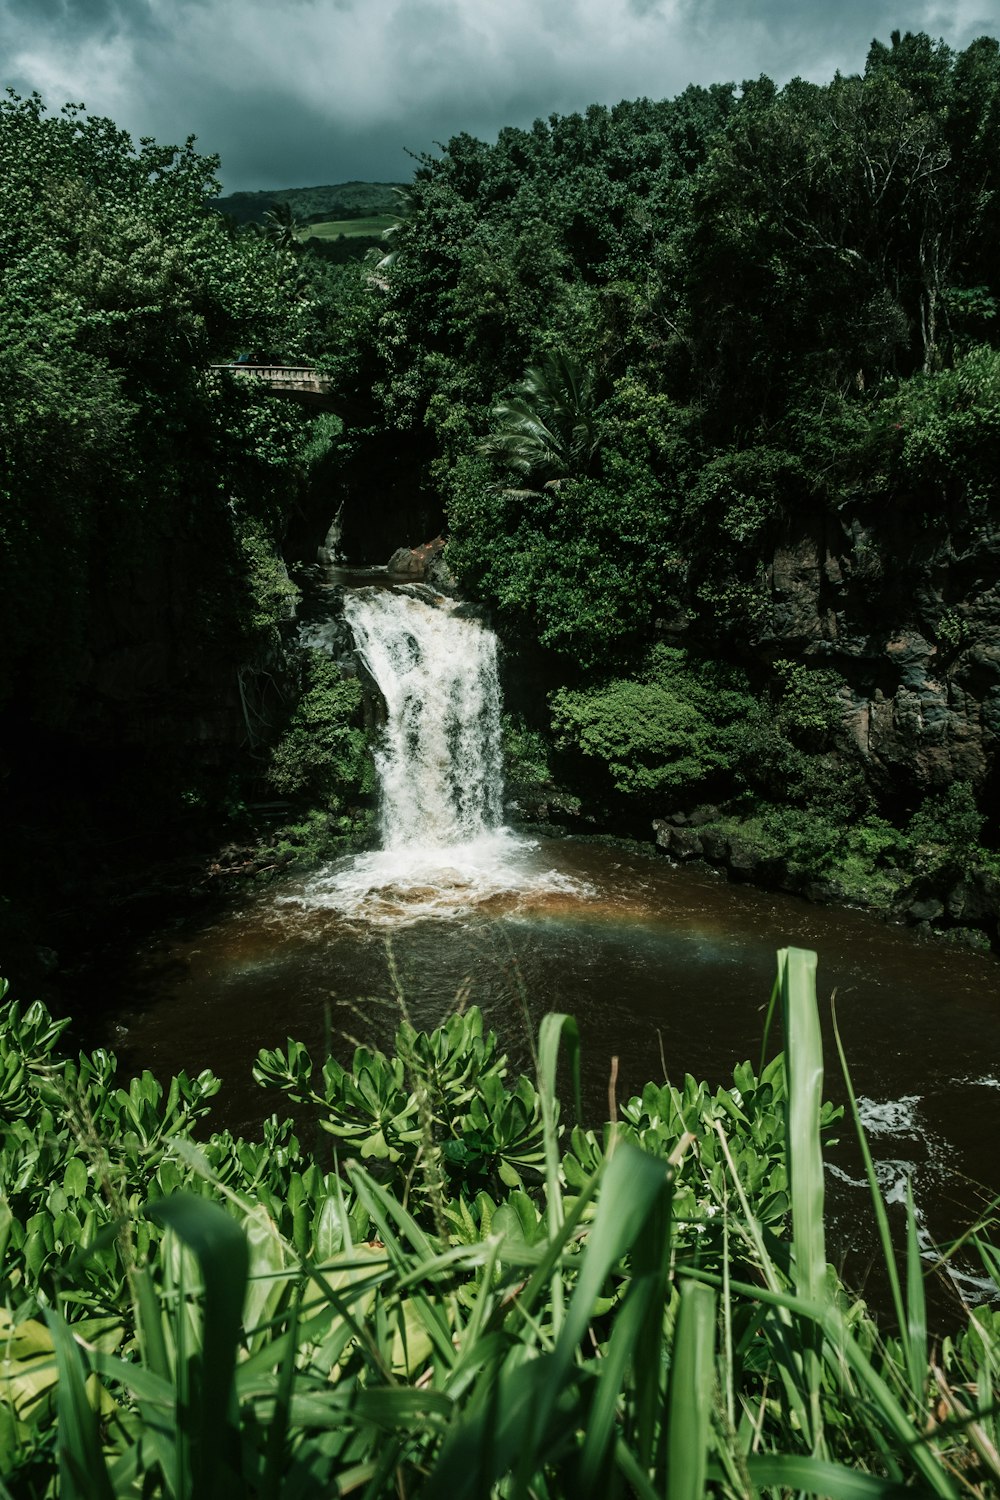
315, 205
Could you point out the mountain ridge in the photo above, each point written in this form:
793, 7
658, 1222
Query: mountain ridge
341, 200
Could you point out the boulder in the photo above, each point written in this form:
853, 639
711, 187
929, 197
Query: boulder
423, 564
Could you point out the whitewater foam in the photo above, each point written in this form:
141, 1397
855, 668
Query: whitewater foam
445, 850
392, 887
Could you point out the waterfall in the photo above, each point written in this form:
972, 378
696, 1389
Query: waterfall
445, 849
439, 762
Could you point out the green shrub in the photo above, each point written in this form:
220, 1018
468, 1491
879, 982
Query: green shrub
584, 563
740, 493
948, 437
323, 754
317, 836
526, 752
729, 518
808, 706
438, 1109
648, 739
680, 725
949, 823
271, 594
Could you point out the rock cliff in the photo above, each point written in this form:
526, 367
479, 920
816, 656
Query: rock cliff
910, 619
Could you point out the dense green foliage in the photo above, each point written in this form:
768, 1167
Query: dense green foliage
634, 352
756, 257
631, 350
627, 358
469, 1302
322, 759
140, 498
143, 499
677, 727
323, 751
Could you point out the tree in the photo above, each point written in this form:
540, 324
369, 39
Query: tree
548, 427
281, 227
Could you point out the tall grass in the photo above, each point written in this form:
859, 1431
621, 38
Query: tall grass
647, 1324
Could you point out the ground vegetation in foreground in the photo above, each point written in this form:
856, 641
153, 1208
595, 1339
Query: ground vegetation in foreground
468, 1294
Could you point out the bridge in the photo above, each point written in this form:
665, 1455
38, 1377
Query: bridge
284, 380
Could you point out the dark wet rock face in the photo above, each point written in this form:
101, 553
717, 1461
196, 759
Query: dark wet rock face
906, 611
912, 624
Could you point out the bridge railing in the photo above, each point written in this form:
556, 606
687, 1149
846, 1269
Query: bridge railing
293, 378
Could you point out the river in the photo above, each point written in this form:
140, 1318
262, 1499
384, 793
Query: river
667, 969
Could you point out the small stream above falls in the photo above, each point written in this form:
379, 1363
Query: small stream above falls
665, 968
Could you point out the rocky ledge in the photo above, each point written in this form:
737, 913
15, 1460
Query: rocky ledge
962, 905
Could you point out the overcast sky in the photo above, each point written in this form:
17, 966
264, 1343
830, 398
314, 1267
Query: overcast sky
292, 93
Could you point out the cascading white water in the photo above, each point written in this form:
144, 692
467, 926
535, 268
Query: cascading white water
439, 762
444, 848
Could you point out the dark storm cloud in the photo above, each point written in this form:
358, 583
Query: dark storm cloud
78, 14
70, 19
785, 37
321, 90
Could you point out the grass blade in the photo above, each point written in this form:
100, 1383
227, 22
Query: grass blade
842, 1349
83, 1473
875, 1192
278, 1446
636, 1349
804, 1063
512, 1418
631, 1186
804, 1066
689, 1397
815, 1476
150, 1324
221, 1250
554, 1029
916, 1309
772, 1006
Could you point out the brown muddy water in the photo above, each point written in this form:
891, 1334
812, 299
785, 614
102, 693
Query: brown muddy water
664, 968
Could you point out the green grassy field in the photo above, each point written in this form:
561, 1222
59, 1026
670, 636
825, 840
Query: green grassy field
331, 229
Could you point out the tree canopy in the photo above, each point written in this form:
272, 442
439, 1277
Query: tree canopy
120, 287
741, 281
